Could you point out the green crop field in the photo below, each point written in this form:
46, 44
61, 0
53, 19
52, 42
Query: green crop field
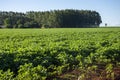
60, 54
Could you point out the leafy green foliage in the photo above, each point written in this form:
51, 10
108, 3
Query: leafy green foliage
28, 72
39, 54
51, 19
7, 75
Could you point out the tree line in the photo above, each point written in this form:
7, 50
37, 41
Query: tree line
68, 18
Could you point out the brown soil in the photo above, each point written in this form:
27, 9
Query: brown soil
99, 75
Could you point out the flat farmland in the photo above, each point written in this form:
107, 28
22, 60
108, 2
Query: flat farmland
60, 54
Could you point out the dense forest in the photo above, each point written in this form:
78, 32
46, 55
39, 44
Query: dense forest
68, 18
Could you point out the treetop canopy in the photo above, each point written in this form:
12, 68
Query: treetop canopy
68, 18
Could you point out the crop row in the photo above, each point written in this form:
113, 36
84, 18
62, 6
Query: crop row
45, 54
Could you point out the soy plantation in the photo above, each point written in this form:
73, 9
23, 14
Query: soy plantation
60, 54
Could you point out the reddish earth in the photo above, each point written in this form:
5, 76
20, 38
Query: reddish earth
97, 75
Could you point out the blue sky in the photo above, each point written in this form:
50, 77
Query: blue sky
108, 9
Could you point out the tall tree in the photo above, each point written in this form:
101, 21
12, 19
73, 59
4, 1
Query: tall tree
50, 19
